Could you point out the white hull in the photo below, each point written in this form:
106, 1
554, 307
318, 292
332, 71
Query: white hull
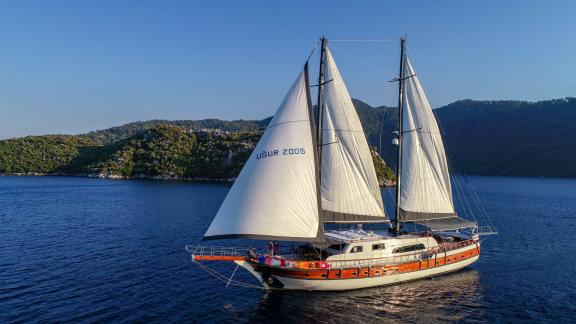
359, 283
349, 284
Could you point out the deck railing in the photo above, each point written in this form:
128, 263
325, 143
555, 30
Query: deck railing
436, 252
217, 250
439, 251
486, 230
375, 262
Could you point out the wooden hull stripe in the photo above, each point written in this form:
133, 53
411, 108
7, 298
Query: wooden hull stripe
365, 272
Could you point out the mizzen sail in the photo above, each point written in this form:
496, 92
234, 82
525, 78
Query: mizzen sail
276, 194
426, 193
349, 187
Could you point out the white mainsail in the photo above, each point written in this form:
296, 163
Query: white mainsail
349, 187
426, 192
276, 194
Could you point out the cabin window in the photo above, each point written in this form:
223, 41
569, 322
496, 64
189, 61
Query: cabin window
380, 246
409, 248
356, 249
337, 247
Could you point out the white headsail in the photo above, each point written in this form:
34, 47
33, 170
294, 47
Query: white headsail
275, 196
350, 191
426, 193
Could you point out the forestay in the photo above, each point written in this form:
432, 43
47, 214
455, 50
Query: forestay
349, 187
275, 195
426, 193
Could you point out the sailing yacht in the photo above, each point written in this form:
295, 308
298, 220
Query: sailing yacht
313, 167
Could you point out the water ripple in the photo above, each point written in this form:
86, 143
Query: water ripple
89, 250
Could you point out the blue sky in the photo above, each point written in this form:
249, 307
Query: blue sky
75, 66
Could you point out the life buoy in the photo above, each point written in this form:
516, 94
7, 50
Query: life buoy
323, 265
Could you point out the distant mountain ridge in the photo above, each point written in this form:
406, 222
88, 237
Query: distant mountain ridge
512, 138
496, 137
114, 134
491, 137
504, 137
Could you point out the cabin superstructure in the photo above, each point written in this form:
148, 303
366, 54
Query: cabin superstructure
354, 244
314, 168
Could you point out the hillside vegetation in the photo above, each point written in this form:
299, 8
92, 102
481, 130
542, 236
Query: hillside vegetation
172, 152
114, 134
159, 152
513, 138
44, 154
508, 138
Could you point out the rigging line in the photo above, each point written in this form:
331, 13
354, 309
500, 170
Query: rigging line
232, 276
383, 70
462, 195
391, 195
342, 130
479, 204
313, 50
470, 203
467, 184
423, 132
287, 122
365, 40
459, 191
223, 278
464, 201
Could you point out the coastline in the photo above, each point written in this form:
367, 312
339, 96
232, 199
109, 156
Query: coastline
118, 177
382, 184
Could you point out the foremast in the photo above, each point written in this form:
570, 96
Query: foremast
318, 140
317, 160
399, 134
320, 101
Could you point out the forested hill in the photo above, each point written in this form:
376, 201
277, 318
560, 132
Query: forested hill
514, 138
114, 134
158, 152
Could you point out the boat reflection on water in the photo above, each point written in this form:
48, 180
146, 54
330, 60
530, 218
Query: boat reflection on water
451, 297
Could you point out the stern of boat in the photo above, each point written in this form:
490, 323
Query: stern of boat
239, 256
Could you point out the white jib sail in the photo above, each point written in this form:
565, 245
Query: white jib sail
349, 187
275, 195
425, 192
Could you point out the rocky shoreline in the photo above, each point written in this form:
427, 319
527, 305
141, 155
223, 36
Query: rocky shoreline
112, 176
117, 176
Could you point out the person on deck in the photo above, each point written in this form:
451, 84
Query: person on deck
271, 248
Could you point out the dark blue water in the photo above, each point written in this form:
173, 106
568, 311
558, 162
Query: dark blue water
86, 250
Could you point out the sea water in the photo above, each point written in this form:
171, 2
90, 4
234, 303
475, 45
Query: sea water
86, 250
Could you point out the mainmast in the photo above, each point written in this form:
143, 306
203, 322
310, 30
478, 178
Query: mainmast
316, 157
320, 101
319, 134
399, 133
